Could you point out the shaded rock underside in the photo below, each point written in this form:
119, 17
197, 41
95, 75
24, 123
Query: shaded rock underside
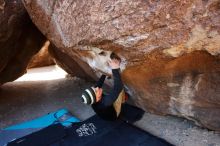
19, 40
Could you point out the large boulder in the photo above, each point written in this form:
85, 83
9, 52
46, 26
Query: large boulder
42, 58
19, 40
169, 49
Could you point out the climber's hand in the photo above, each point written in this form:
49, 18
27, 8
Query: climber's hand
114, 63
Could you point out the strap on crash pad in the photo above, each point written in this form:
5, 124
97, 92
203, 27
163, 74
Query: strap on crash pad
64, 117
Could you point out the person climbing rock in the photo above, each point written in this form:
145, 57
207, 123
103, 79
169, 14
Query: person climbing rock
108, 107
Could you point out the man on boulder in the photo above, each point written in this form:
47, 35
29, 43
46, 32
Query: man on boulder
108, 107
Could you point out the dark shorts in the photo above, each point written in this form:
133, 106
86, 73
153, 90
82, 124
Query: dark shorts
106, 113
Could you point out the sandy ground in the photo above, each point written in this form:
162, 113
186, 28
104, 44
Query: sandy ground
26, 100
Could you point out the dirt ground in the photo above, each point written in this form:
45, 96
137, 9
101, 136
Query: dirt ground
26, 100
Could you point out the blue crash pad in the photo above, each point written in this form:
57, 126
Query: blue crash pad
19, 130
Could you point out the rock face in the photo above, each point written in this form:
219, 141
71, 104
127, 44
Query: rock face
19, 40
42, 58
169, 50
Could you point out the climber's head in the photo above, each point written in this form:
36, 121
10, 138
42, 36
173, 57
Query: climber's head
92, 95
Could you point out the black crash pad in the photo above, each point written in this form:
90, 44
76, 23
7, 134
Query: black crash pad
93, 132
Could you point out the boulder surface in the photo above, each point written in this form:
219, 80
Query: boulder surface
19, 40
42, 58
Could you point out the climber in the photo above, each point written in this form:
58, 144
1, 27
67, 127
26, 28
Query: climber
108, 107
